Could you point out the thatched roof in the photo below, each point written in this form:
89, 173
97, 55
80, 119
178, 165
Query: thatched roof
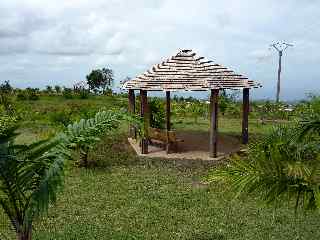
187, 71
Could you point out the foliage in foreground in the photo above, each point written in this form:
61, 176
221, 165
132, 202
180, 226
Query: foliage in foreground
85, 134
30, 176
283, 167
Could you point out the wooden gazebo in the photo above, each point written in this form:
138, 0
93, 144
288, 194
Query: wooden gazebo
186, 71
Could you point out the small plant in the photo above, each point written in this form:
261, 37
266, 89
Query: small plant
30, 177
283, 167
84, 135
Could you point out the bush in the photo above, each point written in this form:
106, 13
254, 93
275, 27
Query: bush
28, 94
83, 94
108, 92
62, 117
67, 93
157, 113
8, 125
22, 96
33, 96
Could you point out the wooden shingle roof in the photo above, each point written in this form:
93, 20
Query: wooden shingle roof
187, 71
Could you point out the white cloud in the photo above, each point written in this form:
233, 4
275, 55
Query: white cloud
65, 39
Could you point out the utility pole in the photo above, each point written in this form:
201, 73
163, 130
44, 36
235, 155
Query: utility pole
280, 47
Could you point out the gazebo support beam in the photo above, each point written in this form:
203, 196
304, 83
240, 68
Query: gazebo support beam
214, 122
132, 110
245, 116
144, 115
168, 112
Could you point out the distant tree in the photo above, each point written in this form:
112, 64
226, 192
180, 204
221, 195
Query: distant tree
49, 89
67, 93
100, 79
6, 87
6, 97
32, 93
57, 88
126, 79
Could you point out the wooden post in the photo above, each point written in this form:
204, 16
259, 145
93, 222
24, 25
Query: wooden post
168, 112
245, 115
132, 106
144, 114
214, 122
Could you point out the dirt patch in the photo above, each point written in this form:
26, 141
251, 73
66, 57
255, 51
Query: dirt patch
199, 141
195, 146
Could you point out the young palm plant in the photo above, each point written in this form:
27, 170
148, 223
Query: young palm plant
30, 176
278, 169
83, 135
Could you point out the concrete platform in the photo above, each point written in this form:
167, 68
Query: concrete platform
194, 147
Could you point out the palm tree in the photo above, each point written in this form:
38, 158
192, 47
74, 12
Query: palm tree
30, 176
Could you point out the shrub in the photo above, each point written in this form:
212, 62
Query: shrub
61, 117
157, 113
108, 92
22, 96
84, 134
67, 93
83, 94
8, 124
33, 96
283, 167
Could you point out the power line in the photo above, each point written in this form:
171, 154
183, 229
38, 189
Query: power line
280, 47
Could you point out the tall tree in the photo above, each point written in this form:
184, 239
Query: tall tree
100, 79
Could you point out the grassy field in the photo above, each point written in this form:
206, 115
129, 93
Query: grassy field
123, 197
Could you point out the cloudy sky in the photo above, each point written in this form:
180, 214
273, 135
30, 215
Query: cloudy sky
59, 42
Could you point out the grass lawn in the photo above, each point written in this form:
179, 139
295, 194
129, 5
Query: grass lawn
122, 197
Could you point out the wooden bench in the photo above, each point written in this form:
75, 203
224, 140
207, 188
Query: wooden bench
162, 137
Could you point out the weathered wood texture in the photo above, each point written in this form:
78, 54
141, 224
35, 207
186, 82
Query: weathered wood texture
144, 114
245, 116
132, 110
168, 112
214, 122
186, 71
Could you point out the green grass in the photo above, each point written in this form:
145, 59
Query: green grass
228, 125
123, 197
140, 202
